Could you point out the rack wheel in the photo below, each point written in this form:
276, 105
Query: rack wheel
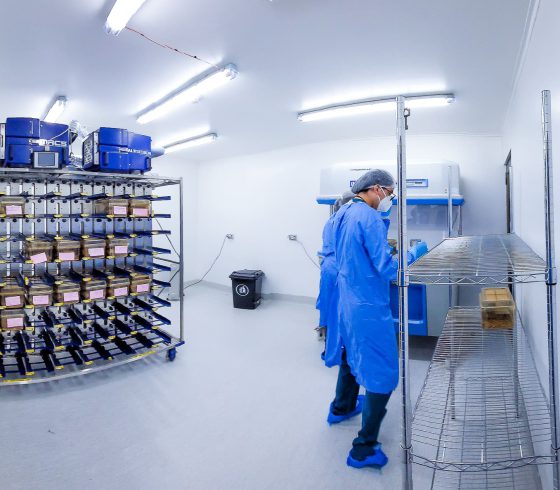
171, 354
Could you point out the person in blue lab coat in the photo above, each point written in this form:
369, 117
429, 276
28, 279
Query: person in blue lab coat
327, 299
370, 356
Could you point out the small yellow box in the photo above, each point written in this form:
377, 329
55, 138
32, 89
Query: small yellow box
497, 307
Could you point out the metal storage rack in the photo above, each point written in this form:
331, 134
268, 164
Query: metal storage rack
482, 418
69, 340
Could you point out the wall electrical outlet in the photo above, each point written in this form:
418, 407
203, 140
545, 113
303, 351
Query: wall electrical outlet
292, 237
229, 236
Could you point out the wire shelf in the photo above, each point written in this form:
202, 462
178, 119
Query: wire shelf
482, 406
68, 367
526, 478
488, 259
40, 175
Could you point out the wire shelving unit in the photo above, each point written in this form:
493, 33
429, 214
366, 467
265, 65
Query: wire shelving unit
64, 340
482, 420
482, 407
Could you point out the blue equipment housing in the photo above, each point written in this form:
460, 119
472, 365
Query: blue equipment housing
117, 150
417, 309
30, 142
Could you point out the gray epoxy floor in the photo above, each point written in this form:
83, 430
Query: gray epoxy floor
242, 407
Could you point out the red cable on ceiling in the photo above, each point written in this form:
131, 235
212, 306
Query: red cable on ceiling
167, 46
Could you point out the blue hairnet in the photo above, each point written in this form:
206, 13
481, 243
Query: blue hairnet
371, 178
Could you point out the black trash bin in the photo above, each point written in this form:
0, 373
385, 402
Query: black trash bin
246, 288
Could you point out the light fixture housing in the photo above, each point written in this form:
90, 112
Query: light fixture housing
190, 142
374, 105
120, 14
56, 109
190, 91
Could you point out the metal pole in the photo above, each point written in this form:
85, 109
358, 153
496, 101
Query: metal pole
550, 281
450, 293
449, 203
402, 282
450, 220
181, 258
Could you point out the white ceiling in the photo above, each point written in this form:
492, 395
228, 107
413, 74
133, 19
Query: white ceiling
291, 55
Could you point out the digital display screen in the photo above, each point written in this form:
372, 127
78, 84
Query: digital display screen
46, 159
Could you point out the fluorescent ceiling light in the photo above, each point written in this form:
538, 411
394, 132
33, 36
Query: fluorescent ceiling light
190, 142
374, 105
56, 109
191, 91
346, 110
120, 14
429, 101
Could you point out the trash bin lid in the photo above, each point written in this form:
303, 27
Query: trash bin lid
246, 274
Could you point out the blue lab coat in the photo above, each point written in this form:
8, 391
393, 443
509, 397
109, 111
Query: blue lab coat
365, 269
327, 301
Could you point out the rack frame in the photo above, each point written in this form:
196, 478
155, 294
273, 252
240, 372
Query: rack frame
65, 196
520, 471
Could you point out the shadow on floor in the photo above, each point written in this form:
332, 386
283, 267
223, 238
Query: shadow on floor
422, 348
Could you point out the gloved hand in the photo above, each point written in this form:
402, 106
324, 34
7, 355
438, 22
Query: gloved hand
421, 249
416, 251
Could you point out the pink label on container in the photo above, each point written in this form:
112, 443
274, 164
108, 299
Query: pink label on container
39, 258
97, 294
67, 256
121, 291
121, 249
71, 296
41, 300
120, 210
96, 252
13, 300
14, 322
11, 210
142, 288
139, 212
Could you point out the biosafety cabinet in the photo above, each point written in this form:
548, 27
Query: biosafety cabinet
435, 203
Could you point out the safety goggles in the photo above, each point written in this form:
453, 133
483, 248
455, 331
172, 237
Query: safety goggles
390, 195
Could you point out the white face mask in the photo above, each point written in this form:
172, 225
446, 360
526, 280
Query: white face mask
385, 203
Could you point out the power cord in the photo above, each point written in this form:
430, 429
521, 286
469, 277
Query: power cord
307, 254
170, 281
60, 134
211, 266
205, 274
168, 239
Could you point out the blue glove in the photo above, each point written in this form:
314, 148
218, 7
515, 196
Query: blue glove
416, 251
422, 249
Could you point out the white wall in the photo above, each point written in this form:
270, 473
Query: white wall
174, 166
522, 134
262, 198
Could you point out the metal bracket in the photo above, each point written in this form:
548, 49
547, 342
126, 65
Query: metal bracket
406, 116
552, 277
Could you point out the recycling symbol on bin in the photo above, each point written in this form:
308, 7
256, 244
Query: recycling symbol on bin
242, 290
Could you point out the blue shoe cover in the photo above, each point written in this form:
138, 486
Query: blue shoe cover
377, 459
335, 419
